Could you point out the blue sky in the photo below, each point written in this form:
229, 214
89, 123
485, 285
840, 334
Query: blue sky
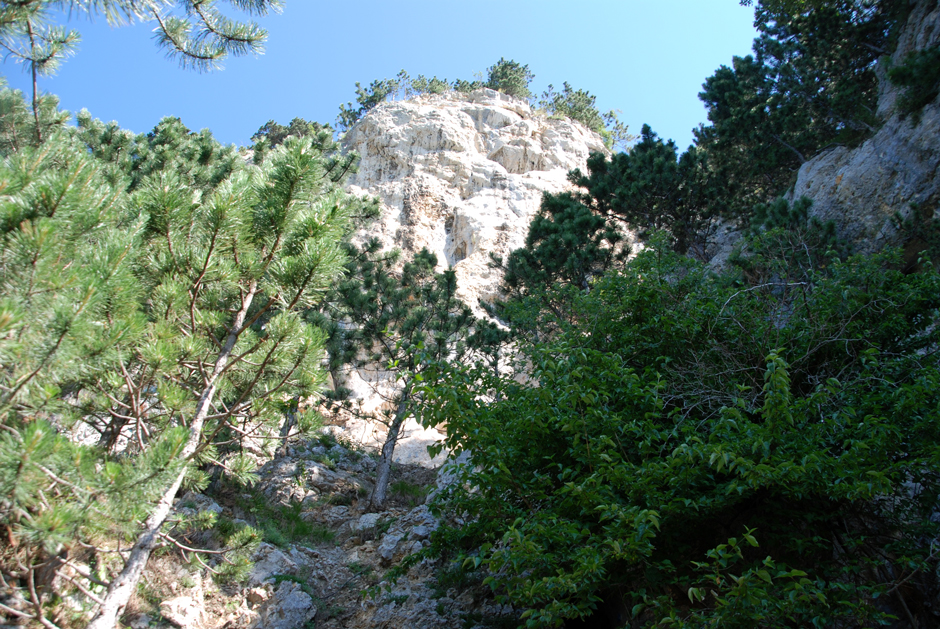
647, 59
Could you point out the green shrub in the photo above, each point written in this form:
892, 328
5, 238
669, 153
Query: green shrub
413, 494
677, 418
281, 525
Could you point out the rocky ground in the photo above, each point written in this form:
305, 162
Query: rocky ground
326, 560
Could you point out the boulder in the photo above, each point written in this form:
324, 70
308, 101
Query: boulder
269, 561
183, 611
288, 608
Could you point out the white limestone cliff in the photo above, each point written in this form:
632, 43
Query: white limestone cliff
463, 175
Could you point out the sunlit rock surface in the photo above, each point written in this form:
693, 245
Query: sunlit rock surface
463, 175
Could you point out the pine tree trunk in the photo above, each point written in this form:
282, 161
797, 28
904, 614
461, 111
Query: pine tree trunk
289, 421
124, 585
110, 435
384, 469
33, 55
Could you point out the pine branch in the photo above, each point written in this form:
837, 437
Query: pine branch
81, 587
16, 613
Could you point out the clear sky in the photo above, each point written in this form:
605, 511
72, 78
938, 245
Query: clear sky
646, 58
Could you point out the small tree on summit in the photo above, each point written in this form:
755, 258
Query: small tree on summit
510, 77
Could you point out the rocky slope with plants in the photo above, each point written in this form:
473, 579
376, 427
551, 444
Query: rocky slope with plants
893, 175
325, 557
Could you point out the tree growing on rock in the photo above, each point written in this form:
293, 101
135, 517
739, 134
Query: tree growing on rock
810, 84
369, 97
509, 77
580, 105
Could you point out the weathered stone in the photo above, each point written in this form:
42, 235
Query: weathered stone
182, 611
368, 521
269, 561
462, 175
257, 595
389, 547
141, 621
289, 608
193, 503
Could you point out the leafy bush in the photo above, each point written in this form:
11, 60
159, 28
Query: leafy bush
679, 419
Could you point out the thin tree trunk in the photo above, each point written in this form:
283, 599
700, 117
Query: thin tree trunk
124, 585
110, 435
384, 468
289, 421
32, 50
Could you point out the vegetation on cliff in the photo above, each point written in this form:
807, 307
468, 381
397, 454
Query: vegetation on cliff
506, 76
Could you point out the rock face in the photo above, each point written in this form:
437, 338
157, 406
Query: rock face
861, 189
463, 175
290, 607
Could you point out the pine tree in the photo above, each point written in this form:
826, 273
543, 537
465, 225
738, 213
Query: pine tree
165, 313
228, 275
197, 158
509, 77
271, 135
70, 302
401, 322
652, 188
18, 120
810, 84
567, 246
194, 32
